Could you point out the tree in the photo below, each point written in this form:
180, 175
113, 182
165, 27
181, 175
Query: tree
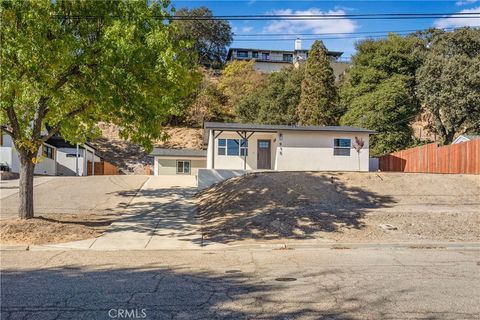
239, 80
209, 104
319, 99
449, 82
68, 64
378, 91
211, 36
276, 102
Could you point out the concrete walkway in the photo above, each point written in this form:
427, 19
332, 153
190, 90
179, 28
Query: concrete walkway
160, 216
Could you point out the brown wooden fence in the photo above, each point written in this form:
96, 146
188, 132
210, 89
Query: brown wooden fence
455, 158
102, 168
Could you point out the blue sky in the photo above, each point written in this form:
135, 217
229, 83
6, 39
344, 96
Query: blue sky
351, 28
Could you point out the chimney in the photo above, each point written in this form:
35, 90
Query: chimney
298, 44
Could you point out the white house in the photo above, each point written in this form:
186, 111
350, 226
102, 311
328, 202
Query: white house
465, 138
236, 146
58, 157
9, 157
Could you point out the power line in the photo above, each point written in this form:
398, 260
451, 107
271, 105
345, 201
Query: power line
323, 38
330, 33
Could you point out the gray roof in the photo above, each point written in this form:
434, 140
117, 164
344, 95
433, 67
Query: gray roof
274, 128
178, 152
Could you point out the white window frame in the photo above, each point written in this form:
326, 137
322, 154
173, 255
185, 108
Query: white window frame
242, 149
183, 166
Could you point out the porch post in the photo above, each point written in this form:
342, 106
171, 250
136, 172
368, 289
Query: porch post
93, 162
245, 153
76, 160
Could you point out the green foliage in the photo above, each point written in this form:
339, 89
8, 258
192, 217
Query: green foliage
70, 64
276, 102
239, 80
209, 104
449, 82
211, 37
319, 99
379, 91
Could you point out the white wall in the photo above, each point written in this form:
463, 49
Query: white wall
314, 151
164, 165
45, 167
298, 151
237, 162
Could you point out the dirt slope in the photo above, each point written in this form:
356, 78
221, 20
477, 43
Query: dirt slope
343, 207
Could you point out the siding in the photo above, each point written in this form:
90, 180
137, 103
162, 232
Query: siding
168, 166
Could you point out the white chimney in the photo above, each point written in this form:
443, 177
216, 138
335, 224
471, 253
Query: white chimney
298, 44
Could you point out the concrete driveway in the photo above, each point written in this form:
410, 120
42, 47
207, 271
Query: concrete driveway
97, 194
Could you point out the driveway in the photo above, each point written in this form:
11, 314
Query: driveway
76, 195
242, 284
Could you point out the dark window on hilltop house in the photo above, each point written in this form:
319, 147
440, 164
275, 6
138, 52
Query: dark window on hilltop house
265, 56
255, 54
242, 54
341, 147
287, 57
48, 152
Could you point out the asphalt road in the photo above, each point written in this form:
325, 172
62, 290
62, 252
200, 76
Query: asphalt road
240, 284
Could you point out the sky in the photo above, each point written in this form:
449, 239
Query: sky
243, 30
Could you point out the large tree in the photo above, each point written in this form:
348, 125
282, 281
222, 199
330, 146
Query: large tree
379, 90
449, 82
211, 36
276, 102
67, 64
319, 99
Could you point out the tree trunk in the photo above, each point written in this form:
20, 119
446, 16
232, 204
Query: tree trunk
27, 167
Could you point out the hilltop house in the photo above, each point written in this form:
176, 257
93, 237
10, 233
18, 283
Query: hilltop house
268, 61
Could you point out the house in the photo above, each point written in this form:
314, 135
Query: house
58, 157
74, 160
9, 157
268, 61
235, 146
465, 138
178, 161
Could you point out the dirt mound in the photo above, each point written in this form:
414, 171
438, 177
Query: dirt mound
342, 207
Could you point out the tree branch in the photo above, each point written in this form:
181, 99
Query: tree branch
56, 128
9, 132
12, 117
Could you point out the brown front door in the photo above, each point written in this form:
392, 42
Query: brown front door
263, 154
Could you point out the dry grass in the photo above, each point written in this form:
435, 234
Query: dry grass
53, 228
343, 207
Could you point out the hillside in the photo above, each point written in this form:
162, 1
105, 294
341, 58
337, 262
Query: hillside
131, 158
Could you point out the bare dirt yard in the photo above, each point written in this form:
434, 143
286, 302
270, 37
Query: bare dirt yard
342, 207
54, 228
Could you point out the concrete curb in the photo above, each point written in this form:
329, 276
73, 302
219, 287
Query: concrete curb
84, 245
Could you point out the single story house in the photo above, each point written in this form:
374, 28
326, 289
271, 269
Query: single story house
9, 157
235, 146
178, 161
465, 138
74, 160
58, 157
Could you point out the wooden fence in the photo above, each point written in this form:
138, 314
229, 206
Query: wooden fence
102, 168
455, 158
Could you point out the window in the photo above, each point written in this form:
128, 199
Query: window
255, 54
244, 147
341, 147
287, 57
232, 147
265, 56
183, 167
48, 152
263, 144
242, 54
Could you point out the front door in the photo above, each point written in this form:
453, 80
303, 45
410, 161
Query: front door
263, 154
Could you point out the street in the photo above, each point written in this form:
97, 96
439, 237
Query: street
309, 283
